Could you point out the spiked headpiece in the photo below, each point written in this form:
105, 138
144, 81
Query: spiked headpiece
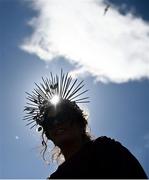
49, 93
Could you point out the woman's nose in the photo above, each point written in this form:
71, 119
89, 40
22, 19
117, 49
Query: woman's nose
57, 122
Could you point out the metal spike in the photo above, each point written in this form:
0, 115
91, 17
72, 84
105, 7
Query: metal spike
29, 119
64, 84
61, 84
81, 99
48, 86
39, 93
51, 77
78, 95
67, 85
32, 104
33, 126
75, 90
30, 95
32, 100
46, 93
41, 90
70, 89
57, 81
30, 123
47, 89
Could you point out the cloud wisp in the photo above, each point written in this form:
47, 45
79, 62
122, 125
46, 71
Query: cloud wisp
111, 47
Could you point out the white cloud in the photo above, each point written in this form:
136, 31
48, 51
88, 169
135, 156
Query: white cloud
112, 47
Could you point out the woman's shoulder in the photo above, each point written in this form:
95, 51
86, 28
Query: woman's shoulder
106, 147
104, 141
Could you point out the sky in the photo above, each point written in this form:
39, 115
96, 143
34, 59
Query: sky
110, 52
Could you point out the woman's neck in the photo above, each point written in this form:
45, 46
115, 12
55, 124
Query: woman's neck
71, 148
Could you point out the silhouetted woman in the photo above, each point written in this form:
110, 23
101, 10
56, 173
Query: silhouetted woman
54, 107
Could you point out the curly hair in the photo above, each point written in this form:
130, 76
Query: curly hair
66, 110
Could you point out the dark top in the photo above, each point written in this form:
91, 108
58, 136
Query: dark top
101, 158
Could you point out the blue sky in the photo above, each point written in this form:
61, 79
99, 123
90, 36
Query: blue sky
119, 105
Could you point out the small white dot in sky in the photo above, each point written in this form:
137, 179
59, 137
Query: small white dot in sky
17, 137
47, 66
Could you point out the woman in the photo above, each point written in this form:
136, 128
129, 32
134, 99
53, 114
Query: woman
54, 107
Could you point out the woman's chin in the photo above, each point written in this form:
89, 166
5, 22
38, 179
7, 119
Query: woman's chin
62, 139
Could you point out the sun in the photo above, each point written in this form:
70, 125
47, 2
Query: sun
55, 100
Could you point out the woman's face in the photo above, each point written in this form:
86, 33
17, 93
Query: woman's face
64, 132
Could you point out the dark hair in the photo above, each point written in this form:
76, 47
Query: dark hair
67, 110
